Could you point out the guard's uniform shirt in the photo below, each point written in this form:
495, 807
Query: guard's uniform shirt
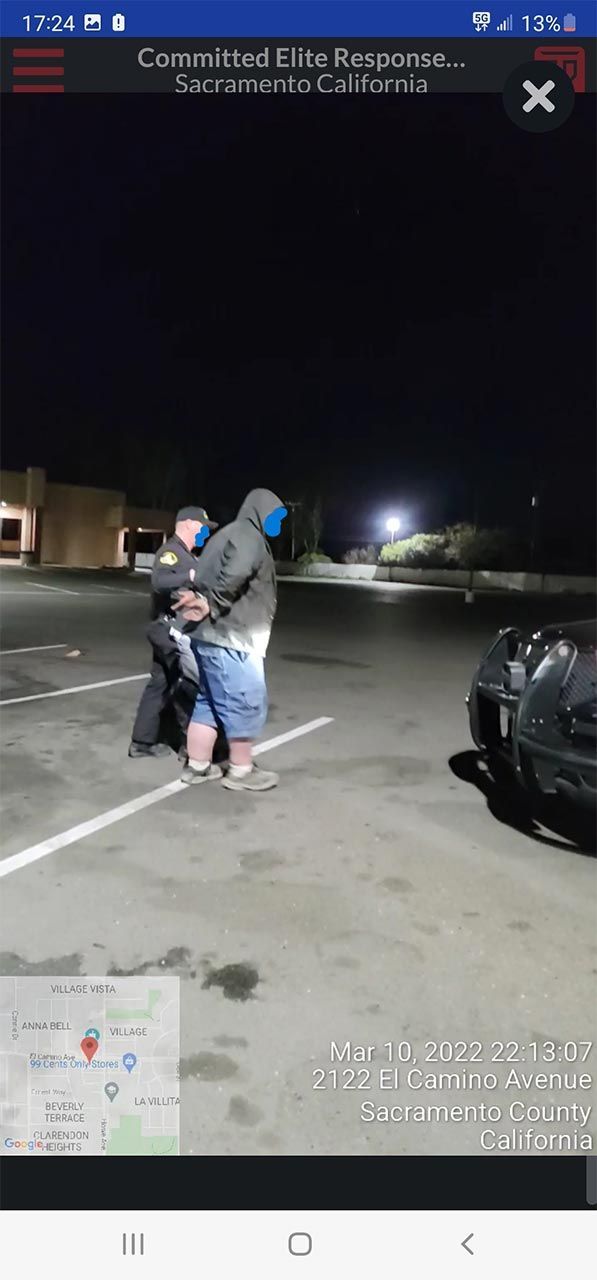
170, 574
173, 570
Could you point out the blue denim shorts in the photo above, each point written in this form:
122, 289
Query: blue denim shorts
233, 692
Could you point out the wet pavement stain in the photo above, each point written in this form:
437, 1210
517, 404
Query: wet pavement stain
177, 958
269, 1141
236, 980
542, 1039
244, 1112
520, 926
312, 660
397, 885
371, 771
208, 1067
13, 966
231, 1042
260, 860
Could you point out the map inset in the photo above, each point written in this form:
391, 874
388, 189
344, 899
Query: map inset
89, 1066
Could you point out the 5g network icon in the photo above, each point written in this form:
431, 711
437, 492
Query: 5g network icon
481, 20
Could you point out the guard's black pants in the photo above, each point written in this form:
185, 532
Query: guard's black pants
154, 700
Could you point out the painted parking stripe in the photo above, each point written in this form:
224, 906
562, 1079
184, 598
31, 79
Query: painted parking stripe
43, 586
33, 648
31, 593
37, 851
82, 594
77, 688
121, 591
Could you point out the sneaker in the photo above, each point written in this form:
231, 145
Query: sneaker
183, 755
256, 780
192, 776
138, 749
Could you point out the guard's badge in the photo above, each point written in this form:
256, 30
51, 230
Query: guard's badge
169, 557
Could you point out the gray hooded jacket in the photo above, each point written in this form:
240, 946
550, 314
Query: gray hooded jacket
236, 573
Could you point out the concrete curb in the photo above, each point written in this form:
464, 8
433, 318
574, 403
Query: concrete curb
483, 579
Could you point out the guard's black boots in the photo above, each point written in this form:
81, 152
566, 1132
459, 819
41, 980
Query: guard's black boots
137, 749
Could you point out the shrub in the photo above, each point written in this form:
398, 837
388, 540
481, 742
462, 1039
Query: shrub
460, 546
469, 547
314, 557
360, 555
421, 551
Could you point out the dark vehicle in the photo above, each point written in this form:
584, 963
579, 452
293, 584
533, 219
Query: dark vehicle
533, 707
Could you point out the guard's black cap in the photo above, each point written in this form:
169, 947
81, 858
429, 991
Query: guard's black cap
195, 513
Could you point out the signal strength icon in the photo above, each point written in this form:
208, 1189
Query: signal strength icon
506, 25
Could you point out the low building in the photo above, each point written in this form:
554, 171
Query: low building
76, 525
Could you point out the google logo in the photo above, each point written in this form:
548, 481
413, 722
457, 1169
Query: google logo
28, 1146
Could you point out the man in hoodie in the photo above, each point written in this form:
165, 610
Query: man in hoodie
236, 575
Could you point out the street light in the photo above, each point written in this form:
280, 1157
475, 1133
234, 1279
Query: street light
293, 507
393, 525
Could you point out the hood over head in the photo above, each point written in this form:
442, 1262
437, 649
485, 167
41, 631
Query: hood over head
257, 506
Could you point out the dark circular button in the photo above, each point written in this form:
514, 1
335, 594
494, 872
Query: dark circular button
538, 96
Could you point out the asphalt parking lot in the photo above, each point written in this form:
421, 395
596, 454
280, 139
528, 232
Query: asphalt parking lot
376, 895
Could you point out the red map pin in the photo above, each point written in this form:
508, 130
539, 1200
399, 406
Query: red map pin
89, 1047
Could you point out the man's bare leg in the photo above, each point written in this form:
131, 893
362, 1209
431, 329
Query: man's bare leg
242, 774
201, 740
241, 752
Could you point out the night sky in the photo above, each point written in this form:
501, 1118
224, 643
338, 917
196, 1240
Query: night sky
388, 302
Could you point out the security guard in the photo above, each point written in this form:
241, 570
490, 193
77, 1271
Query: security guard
173, 571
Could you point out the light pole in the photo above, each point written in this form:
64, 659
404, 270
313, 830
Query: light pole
293, 506
533, 547
392, 525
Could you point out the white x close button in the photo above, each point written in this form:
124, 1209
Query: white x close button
538, 97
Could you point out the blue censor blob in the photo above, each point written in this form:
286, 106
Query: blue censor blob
202, 536
273, 523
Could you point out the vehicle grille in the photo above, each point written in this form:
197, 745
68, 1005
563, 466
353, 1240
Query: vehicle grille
581, 685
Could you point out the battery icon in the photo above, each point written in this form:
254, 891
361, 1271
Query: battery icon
118, 22
569, 22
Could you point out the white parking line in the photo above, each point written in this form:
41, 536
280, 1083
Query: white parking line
34, 648
43, 586
82, 594
37, 851
24, 592
76, 688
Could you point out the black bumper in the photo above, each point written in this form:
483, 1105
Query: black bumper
526, 726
